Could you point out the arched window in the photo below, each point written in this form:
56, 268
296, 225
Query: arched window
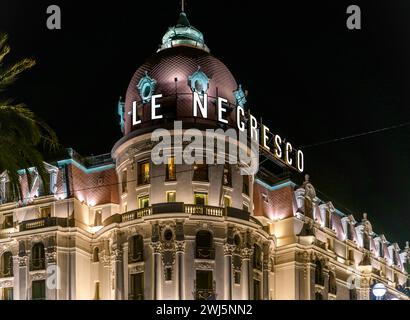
319, 273
38, 258
96, 252
204, 245
136, 249
332, 283
257, 257
352, 294
6, 265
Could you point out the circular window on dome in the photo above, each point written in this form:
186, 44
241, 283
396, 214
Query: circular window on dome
199, 82
146, 87
168, 235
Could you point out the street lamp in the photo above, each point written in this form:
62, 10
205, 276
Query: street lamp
379, 290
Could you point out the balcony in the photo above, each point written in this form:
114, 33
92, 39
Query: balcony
37, 264
205, 253
205, 293
137, 296
180, 207
45, 223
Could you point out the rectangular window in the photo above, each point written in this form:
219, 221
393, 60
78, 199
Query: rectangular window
143, 173
227, 177
200, 172
171, 196
168, 274
245, 185
38, 290
237, 277
143, 202
227, 201
124, 180
204, 280
136, 286
8, 293
98, 218
170, 170
256, 290
45, 212
8, 221
201, 198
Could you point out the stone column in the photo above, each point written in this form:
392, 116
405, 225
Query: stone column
119, 274
53, 275
246, 255
180, 269
16, 272
157, 250
228, 250
23, 278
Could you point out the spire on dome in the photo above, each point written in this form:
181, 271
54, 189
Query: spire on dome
183, 34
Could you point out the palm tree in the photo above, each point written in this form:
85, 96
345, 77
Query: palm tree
21, 132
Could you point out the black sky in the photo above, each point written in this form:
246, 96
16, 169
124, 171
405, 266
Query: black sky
308, 76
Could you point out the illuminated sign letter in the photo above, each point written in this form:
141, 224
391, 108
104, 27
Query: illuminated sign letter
278, 148
300, 160
288, 150
254, 126
155, 106
241, 125
221, 109
265, 130
134, 114
202, 106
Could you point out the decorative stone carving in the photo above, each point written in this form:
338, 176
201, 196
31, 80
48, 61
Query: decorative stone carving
204, 265
229, 249
156, 247
180, 246
137, 268
6, 283
23, 261
247, 253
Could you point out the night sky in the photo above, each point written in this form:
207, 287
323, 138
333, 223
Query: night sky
308, 76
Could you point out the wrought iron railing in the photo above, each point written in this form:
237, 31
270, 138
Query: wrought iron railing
7, 273
205, 293
137, 256
204, 253
46, 222
37, 264
136, 296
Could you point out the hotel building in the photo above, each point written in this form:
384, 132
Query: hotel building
117, 226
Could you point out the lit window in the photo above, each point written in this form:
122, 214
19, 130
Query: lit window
45, 212
8, 221
201, 198
171, 196
143, 173
143, 202
8, 293
170, 172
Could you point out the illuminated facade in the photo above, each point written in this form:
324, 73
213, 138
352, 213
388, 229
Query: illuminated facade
117, 226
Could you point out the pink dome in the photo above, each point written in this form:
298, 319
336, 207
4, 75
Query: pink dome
180, 63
